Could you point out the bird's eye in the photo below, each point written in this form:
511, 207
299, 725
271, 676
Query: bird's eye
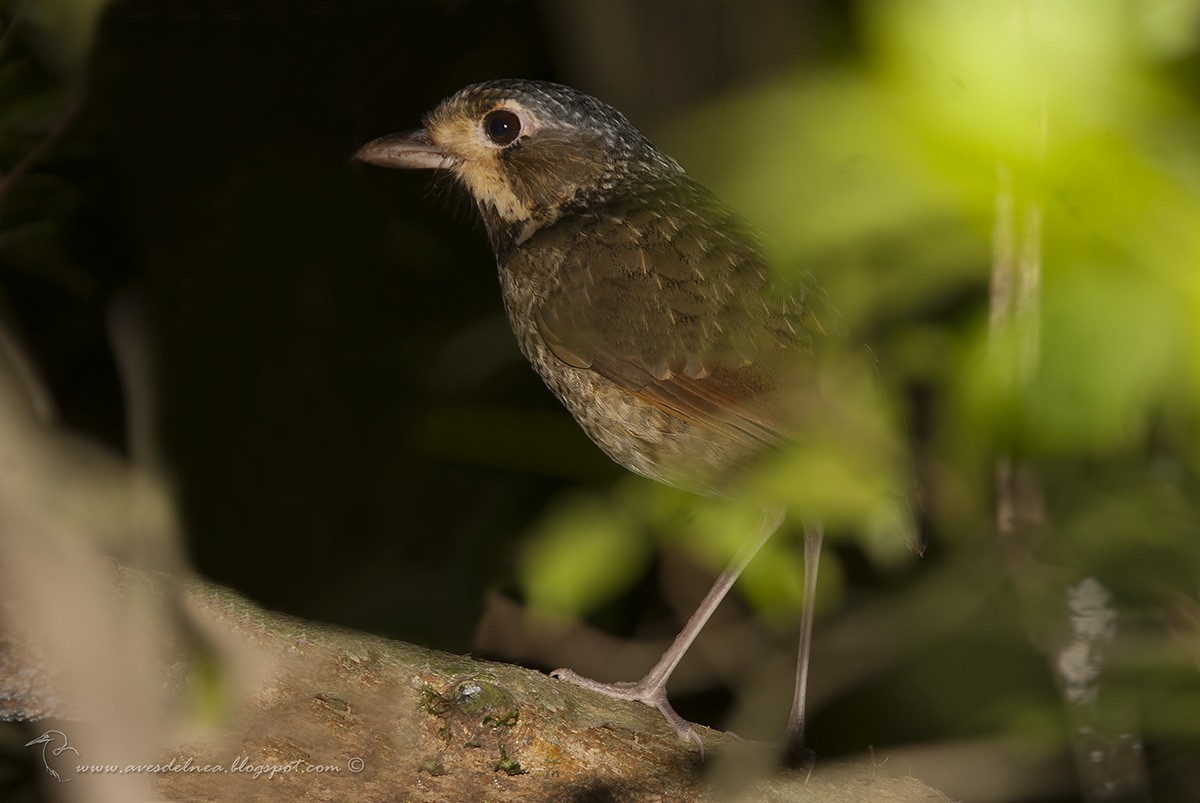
502, 126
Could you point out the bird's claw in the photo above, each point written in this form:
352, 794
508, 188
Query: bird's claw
651, 694
795, 755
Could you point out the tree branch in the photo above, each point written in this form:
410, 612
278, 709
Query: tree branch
342, 715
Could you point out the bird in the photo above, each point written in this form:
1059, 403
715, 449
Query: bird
643, 302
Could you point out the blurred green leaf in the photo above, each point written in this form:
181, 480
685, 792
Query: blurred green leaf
584, 551
61, 30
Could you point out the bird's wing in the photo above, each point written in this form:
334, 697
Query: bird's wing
681, 312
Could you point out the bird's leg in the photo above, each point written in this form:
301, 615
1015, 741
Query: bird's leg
652, 689
794, 735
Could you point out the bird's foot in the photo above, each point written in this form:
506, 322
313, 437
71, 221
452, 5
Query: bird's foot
795, 755
652, 694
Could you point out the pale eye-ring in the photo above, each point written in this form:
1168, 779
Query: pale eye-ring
502, 126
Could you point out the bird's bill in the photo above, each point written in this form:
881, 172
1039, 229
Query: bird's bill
409, 150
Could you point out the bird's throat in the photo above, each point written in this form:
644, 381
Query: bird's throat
505, 234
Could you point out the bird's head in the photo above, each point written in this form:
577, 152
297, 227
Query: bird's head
527, 151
